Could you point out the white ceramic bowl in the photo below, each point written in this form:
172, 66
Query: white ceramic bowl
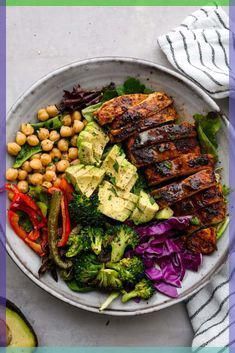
96, 73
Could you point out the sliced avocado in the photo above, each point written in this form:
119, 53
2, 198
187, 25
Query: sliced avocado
86, 153
110, 160
145, 210
125, 172
71, 172
112, 204
88, 179
91, 143
165, 213
19, 331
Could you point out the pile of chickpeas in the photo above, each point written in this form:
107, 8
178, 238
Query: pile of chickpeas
59, 150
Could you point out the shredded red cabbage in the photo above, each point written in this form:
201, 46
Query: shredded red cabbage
165, 258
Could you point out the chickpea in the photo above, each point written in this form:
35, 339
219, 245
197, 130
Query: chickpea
78, 126
20, 138
66, 131
27, 129
76, 161
55, 153
36, 179
26, 167
10, 195
36, 164
67, 120
23, 186
61, 166
43, 134
52, 110
11, 174
51, 167
50, 175
57, 182
45, 159
22, 174
73, 141
47, 145
13, 148
47, 184
63, 145
54, 136
36, 156
32, 140
76, 116
73, 153
43, 115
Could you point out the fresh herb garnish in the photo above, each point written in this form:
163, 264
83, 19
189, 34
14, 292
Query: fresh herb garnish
195, 221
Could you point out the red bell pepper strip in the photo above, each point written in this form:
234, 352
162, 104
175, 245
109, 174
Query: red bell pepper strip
36, 220
14, 222
67, 189
34, 235
66, 222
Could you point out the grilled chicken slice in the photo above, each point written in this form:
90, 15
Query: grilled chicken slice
182, 166
154, 103
162, 151
120, 134
203, 241
164, 133
209, 216
201, 199
180, 190
117, 106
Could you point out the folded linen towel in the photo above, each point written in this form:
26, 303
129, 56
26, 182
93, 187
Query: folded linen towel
209, 313
199, 49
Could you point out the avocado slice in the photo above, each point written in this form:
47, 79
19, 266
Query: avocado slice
110, 160
165, 213
19, 331
145, 210
115, 203
91, 143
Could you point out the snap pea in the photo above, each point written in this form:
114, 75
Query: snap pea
53, 231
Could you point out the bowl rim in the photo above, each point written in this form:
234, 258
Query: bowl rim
169, 302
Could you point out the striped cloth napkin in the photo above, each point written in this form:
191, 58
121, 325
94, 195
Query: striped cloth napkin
198, 49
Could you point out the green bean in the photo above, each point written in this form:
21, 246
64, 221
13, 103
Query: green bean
53, 220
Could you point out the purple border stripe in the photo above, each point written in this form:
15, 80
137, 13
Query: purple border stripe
232, 181
3, 168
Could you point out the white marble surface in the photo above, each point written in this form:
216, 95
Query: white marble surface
40, 40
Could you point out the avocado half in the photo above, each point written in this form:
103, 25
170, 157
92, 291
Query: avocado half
18, 330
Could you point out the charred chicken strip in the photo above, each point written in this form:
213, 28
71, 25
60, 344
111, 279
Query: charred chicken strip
182, 166
203, 241
164, 133
199, 200
178, 191
154, 103
117, 106
209, 216
167, 115
162, 151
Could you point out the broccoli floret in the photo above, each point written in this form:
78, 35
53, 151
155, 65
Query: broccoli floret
78, 241
95, 236
130, 270
108, 279
86, 268
125, 237
143, 290
84, 210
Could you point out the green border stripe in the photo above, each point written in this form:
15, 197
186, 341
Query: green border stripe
113, 2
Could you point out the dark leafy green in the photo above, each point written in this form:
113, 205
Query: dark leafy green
26, 152
25, 222
51, 124
208, 127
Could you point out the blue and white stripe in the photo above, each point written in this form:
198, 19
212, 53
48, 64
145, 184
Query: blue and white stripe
199, 49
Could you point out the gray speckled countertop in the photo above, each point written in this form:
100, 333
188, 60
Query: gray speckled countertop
40, 40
